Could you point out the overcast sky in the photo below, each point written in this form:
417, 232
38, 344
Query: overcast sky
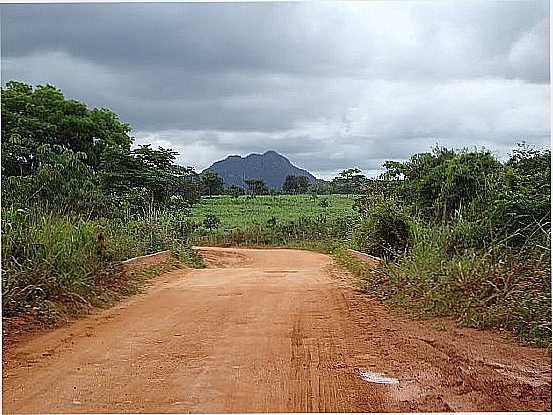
330, 85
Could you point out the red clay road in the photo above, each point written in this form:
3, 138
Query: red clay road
267, 331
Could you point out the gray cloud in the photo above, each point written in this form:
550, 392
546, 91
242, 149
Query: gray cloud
331, 85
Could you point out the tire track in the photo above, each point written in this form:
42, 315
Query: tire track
266, 331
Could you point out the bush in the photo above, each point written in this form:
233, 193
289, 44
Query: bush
384, 231
462, 235
480, 246
211, 221
49, 259
521, 209
324, 203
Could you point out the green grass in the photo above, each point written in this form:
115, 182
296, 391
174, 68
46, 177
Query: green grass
54, 262
496, 288
482, 291
244, 212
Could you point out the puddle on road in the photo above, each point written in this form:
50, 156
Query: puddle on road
374, 377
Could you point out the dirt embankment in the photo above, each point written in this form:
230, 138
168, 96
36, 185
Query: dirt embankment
268, 330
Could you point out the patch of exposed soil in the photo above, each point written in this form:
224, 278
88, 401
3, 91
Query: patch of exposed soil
268, 331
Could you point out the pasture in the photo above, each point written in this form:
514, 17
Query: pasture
244, 211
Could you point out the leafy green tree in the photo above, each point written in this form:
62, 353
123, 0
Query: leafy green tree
466, 179
349, 181
256, 187
153, 170
235, 191
295, 184
62, 182
521, 207
439, 184
59, 150
212, 183
34, 117
487, 202
321, 187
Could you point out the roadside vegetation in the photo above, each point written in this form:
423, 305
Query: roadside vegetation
461, 233
76, 200
464, 235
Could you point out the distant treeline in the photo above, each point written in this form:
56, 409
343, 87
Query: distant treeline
349, 181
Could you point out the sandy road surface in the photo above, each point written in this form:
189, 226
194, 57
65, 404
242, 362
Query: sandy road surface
267, 330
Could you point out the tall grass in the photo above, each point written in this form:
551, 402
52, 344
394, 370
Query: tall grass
49, 259
501, 288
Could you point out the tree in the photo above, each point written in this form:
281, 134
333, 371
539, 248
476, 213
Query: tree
295, 184
235, 191
212, 183
349, 181
59, 153
523, 206
62, 181
34, 117
321, 187
256, 187
154, 171
441, 183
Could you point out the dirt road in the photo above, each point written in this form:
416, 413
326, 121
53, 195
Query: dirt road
268, 330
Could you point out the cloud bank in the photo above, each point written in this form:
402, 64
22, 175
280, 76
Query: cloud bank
330, 85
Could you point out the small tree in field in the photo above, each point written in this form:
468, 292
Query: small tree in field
212, 183
256, 187
235, 191
295, 184
350, 181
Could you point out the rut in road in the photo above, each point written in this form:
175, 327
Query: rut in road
267, 331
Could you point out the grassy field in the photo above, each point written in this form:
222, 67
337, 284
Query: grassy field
243, 212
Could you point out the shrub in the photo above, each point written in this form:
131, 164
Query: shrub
283, 233
211, 221
384, 231
463, 235
324, 203
49, 259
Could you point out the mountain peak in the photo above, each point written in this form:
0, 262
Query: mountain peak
270, 166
